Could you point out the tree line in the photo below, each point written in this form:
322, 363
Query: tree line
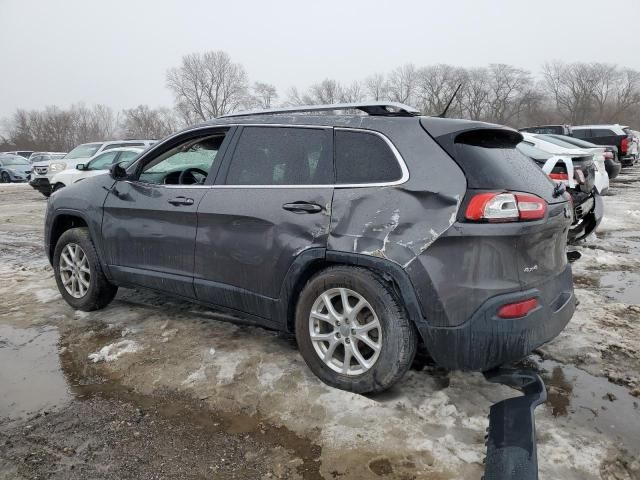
207, 85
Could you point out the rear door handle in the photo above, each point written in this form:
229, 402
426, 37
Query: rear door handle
181, 201
302, 207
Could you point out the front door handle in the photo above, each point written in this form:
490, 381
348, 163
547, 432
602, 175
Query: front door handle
302, 207
181, 201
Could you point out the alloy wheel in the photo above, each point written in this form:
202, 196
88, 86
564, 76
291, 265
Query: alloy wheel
74, 270
345, 331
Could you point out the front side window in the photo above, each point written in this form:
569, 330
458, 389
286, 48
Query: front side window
282, 156
187, 164
102, 162
126, 158
363, 157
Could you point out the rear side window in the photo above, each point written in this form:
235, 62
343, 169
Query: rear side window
282, 156
602, 132
582, 133
363, 157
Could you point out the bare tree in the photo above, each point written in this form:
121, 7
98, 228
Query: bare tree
402, 84
145, 122
376, 87
207, 85
435, 87
507, 85
475, 93
264, 94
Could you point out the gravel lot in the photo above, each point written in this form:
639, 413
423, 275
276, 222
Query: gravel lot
174, 392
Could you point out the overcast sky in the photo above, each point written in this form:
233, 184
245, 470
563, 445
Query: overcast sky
116, 52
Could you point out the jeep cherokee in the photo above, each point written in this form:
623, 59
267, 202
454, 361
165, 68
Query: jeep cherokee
364, 234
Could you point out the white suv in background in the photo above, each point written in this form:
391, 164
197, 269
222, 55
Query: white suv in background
98, 164
43, 172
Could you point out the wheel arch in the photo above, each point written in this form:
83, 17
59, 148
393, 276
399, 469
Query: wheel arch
62, 222
312, 261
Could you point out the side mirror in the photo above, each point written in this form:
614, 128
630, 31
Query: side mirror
117, 172
81, 166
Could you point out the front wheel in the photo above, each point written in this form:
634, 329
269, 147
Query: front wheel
78, 272
352, 331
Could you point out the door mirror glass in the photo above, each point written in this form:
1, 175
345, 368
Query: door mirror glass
81, 166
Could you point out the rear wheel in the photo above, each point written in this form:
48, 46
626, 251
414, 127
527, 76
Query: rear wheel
57, 187
352, 331
78, 272
5, 177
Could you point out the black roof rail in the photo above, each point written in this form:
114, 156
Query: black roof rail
388, 109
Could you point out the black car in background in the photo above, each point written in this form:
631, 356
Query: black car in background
607, 135
361, 234
611, 163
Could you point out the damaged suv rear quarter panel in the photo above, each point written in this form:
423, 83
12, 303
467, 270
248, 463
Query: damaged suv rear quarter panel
400, 222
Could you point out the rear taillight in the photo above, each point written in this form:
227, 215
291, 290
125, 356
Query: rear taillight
624, 145
559, 176
505, 207
518, 309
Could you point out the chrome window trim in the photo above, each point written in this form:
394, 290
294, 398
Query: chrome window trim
403, 166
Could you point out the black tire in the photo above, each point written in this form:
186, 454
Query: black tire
5, 178
100, 291
399, 340
57, 187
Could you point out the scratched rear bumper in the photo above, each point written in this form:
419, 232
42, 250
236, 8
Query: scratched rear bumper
486, 341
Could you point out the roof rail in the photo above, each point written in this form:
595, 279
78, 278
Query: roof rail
389, 109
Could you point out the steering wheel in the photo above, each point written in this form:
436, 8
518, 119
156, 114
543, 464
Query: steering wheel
191, 171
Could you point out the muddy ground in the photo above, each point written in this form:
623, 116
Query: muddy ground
178, 392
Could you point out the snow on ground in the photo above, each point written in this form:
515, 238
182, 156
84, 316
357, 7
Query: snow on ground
431, 425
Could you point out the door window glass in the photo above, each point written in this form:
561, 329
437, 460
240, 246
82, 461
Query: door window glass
102, 162
282, 156
187, 164
126, 157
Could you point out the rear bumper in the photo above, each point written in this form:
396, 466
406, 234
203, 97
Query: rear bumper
486, 341
41, 184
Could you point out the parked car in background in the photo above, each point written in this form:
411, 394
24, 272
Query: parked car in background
335, 228
98, 164
14, 168
633, 146
611, 163
601, 181
575, 173
22, 153
608, 135
37, 157
44, 171
548, 129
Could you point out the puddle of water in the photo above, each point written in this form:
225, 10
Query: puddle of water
576, 397
30, 372
622, 286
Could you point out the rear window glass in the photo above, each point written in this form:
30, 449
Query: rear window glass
490, 159
363, 157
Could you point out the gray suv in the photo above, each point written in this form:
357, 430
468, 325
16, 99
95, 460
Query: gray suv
362, 233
